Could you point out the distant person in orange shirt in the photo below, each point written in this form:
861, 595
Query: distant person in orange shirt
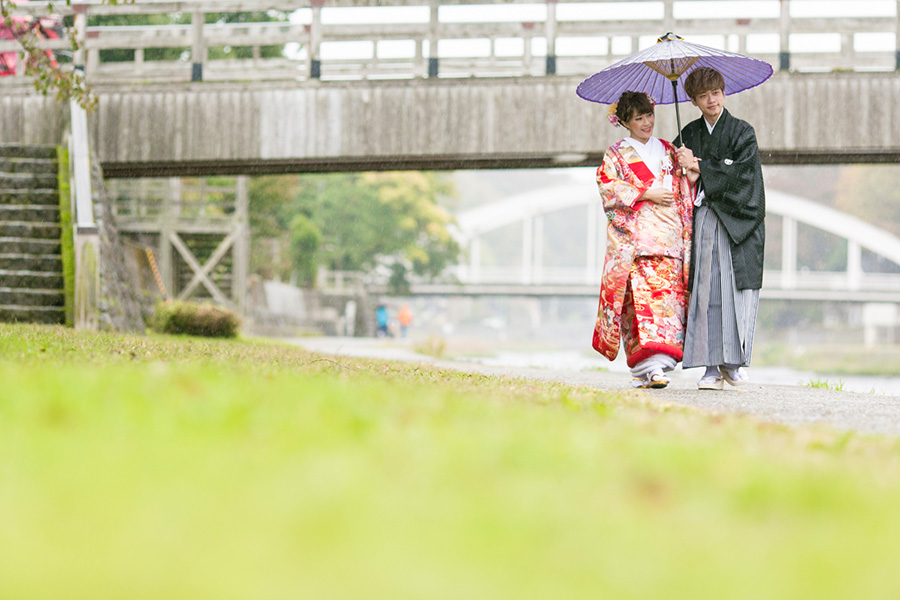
405, 318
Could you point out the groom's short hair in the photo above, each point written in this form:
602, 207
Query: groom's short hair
703, 79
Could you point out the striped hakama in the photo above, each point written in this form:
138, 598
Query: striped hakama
721, 318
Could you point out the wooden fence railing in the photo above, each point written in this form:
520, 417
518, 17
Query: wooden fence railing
405, 39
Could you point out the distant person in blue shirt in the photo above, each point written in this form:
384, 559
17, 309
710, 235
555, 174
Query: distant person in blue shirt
381, 319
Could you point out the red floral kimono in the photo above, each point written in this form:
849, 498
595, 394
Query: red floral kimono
643, 298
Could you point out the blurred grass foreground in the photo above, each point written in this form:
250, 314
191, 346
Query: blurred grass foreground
163, 467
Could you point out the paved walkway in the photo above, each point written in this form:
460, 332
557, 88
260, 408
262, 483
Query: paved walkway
789, 405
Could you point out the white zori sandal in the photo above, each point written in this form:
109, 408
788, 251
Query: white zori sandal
734, 376
658, 380
711, 382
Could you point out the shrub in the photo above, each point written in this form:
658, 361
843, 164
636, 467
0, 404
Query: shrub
194, 318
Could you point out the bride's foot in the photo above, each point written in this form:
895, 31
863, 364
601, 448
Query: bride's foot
658, 380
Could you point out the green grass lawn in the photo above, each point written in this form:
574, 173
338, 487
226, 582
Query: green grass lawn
833, 359
173, 468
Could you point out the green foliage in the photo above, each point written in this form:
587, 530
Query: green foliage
364, 219
195, 318
184, 18
367, 216
213, 468
305, 242
397, 282
824, 384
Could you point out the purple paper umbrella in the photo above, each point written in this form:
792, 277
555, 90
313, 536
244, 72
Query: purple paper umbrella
658, 69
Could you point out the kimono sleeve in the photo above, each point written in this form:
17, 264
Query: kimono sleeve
734, 186
617, 193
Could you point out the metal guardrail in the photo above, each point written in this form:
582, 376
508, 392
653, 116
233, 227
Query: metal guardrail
552, 38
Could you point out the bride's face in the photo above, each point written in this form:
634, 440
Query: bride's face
641, 126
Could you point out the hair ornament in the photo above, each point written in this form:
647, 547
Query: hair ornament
611, 114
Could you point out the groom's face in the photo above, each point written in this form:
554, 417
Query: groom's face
710, 104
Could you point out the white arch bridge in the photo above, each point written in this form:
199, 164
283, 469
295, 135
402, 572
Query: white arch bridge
797, 230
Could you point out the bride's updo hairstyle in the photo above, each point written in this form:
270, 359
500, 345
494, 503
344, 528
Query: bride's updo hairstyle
631, 104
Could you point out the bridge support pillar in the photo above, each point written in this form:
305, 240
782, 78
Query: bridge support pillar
475, 260
854, 265
537, 260
596, 242
789, 253
527, 249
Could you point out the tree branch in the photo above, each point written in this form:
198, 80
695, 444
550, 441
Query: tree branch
40, 65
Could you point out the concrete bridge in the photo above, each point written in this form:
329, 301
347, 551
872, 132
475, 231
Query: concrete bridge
786, 278
434, 109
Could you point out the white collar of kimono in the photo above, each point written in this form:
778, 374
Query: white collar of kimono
709, 127
652, 153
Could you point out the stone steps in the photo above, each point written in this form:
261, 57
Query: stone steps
28, 229
27, 181
36, 166
27, 297
31, 269
31, 262
29, 213
16, 245
27, 151
40, 196
46, 315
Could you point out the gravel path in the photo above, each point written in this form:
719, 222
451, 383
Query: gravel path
789, 405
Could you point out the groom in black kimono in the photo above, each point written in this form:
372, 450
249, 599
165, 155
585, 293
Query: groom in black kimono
721, 157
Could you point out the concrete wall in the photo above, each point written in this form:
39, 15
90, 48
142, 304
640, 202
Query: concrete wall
445, 123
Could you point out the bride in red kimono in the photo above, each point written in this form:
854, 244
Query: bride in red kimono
643, 295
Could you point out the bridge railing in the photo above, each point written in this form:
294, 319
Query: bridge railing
773, 279
418, 39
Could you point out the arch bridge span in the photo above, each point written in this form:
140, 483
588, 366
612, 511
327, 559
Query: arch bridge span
789, 281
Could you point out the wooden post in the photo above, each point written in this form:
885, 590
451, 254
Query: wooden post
897, 38
171, 202
669, 16
784, 51
433, 25
551, 37
315, 40
241, 251
78, 59
198, 47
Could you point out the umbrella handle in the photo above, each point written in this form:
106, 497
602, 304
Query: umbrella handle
678, 119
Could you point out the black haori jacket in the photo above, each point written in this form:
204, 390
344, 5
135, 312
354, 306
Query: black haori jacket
732, 179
